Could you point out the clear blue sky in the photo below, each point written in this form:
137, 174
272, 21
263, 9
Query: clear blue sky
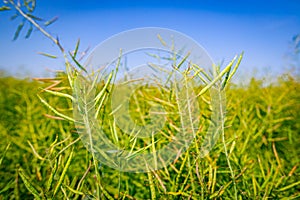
262, 29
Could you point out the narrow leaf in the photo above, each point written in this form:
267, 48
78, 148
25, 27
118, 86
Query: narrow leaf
14, 16
183, 60
218, 77
34, 151
55, 111
51, 21
53, 172
161, 40
226, 79
34, 17
3, 154
74, 190
17, 33
29, 32
78, 64
152, 187
60, 94
47, 55
236, 66
289, 186
3, 8
76, 48
63, 173
32, 189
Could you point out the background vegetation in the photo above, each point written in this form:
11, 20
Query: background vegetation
42, 156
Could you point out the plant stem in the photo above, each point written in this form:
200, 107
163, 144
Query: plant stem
224, 143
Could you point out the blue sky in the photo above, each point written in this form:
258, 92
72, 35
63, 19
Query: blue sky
262, 29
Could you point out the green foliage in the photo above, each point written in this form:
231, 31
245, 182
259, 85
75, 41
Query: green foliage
42, 156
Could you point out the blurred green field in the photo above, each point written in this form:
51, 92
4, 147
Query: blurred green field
42, 157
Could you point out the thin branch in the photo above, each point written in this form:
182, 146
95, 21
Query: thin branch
56, 41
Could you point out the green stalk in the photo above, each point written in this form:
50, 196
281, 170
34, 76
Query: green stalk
63, 174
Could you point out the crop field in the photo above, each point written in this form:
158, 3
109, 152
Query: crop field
77, 136
42, 156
